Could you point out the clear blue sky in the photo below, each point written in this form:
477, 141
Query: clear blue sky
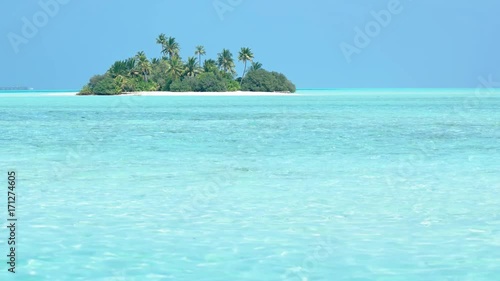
428, 43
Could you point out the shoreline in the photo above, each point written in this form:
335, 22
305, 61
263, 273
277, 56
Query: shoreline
216, 94
186, 94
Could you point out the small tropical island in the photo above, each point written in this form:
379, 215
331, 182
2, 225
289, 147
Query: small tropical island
170, 73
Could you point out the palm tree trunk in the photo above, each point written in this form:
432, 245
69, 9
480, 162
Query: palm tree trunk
244, 71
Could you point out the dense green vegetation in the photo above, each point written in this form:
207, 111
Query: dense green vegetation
171, 73
264, 81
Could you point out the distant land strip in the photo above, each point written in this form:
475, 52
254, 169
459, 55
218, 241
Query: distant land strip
15, 88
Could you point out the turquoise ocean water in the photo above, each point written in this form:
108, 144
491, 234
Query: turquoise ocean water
327, 185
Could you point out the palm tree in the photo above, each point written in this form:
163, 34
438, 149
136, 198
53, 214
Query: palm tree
155, 61
142, 64
121, 81
255, 66
244, 56
200, 51
124, 68
210, 65
162, 40
225, 61
176, 68
171, 48
191, 66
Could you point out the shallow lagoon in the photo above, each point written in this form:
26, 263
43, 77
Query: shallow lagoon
327, 185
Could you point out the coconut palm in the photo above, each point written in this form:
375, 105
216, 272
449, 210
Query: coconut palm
225, 61
210, 65
255, 66
176, 68
200, 51
155, 61
162, 40
244, 56
191, 66
171, 48
121, 81
143, 65
124, 67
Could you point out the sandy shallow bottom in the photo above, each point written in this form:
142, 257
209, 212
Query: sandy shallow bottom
370, 186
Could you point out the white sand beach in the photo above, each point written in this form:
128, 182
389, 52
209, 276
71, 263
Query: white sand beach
178, 94
238, 93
